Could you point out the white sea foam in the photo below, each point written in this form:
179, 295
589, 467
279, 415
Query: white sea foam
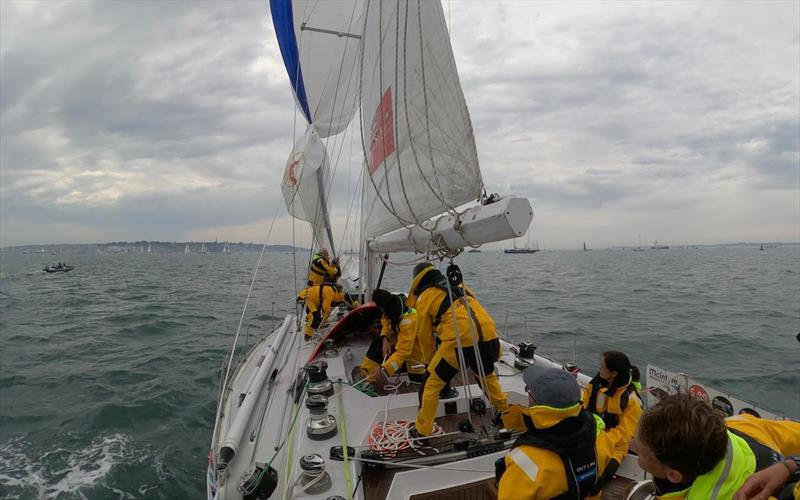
75, 470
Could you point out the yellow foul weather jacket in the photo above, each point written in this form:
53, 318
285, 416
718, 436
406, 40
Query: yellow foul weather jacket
533, 473
620, 410
406, 345
321, 271
431, 326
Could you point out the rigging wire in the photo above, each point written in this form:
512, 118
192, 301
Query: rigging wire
244, 309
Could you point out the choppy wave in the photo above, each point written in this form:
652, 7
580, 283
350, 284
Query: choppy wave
58, 473
114, 368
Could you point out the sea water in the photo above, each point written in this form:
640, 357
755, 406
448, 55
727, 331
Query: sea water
109, 374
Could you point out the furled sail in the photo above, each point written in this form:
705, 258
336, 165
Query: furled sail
304, 181
418, 141
319, 41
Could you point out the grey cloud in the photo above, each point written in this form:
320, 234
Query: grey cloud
591, 106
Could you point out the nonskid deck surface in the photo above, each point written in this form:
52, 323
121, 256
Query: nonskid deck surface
378, 482
364, 412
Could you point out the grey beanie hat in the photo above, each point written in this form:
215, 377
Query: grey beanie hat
551, 386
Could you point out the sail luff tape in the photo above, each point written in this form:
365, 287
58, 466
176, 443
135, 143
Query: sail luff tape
236, 430
343, 431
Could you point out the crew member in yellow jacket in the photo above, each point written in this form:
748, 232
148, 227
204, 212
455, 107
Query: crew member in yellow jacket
398, 334
694, 453
323, 270
319, 300
438, 322
561, 452
611, 395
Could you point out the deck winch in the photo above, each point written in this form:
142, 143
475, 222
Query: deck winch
258, 482
525, 355
318, 382
314, 479
320, 424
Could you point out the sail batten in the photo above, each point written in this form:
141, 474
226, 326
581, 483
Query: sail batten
320, 51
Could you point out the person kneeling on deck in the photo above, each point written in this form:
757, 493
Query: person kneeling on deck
322, 270
319, 300
464, 323
694, 453
398, 332
612, 397
561, 453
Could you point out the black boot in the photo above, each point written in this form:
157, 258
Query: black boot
418, 439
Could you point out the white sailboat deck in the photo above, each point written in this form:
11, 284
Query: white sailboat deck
278, 422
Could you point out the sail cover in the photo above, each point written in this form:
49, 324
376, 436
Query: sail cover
304, 185
418, 141
319, 41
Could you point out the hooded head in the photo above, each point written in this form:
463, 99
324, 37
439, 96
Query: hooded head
390, 304
421, 267
424, 275
323, 252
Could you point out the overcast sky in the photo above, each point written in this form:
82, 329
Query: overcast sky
172, 120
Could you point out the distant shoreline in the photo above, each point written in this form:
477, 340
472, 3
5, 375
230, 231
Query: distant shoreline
154, 246
145, 246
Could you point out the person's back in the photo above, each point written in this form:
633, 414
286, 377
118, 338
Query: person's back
560, 452
441, 320
447, 322
321, 269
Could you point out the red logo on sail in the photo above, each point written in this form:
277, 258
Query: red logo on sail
382, 142
289, 177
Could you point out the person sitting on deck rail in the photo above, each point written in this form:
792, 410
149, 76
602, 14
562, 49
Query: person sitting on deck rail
611, 396
561, 453
441, 326
322, 270
319, 300
694, 452
398, 333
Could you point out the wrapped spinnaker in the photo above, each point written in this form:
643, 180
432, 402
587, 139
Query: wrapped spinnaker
305, 180
320, 42
418, 141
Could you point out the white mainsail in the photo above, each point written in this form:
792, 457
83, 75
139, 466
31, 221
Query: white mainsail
418, 141
304, 181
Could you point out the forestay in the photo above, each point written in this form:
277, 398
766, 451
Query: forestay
417, 135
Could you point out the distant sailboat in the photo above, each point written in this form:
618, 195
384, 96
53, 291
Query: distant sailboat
584, 247
203, 248
149, 247
527, 249
639, 248
186, 249
656, 246
225, 248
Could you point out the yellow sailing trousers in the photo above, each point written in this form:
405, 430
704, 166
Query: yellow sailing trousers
444, 366
313, 320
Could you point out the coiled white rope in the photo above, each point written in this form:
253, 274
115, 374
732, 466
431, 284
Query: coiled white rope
389, 438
